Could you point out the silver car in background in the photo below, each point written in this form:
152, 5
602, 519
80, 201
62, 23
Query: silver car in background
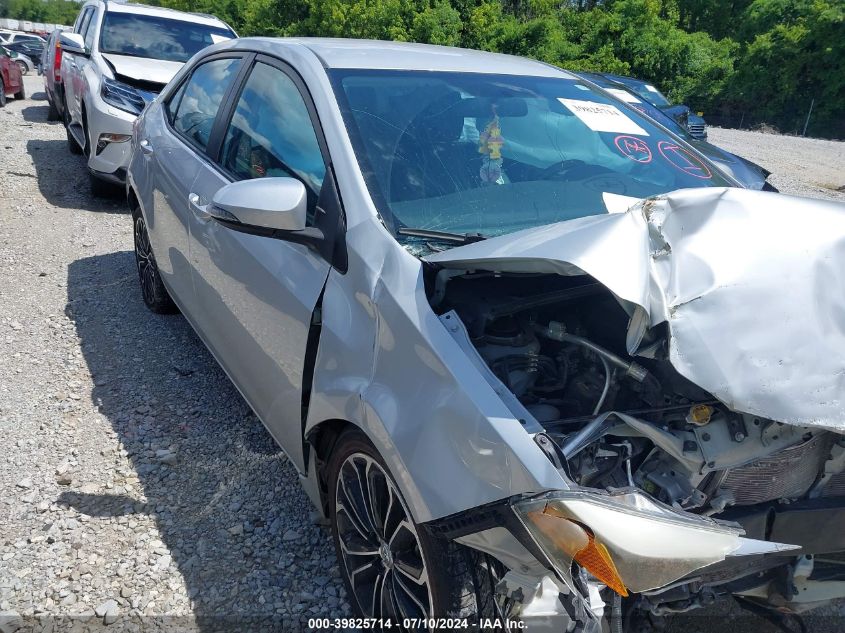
533, 356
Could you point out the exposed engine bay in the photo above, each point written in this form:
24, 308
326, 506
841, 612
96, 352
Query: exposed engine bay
612, 421
558, 343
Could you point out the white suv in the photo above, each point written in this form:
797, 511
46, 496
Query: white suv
116, 60
10, 37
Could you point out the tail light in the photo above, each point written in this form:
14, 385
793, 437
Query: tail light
57, 62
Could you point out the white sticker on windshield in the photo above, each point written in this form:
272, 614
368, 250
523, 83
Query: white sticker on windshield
650, 88
216, 39
602, 117
624, 95
615, 203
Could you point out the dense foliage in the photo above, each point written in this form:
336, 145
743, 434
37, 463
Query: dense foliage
47, 11
739, 61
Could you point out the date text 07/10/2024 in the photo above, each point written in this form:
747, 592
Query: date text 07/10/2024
422, 624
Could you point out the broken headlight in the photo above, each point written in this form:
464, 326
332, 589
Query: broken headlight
122, 96
627, 541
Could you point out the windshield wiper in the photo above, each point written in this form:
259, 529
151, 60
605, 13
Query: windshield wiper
442, 236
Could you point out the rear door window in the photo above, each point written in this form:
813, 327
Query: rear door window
90, 31
83, 22
193, 108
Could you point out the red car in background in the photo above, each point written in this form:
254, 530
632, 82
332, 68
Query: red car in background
11, 80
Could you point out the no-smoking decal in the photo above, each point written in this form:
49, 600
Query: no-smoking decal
634, 148
683, 160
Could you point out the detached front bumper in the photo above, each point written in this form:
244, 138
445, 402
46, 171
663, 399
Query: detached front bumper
625, 541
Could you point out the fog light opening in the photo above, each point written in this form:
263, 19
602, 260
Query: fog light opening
107, 138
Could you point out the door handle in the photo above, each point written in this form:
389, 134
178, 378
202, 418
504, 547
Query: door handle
146, 147
200, 210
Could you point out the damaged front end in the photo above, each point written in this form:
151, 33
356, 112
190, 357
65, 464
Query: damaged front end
681, 365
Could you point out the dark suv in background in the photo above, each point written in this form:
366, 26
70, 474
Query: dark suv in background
750, 175
694, 123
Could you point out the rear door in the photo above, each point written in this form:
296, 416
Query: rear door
72, 71
256, 295
174, 147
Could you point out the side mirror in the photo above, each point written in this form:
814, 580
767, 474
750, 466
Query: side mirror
72, 43
270, 203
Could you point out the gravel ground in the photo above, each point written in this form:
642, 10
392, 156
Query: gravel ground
800, 166
136, 485
137, 490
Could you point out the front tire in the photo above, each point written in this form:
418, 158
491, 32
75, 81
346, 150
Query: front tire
2, 93
24, 68
392, 568
101, 188
74, 147
20, 95
155, 295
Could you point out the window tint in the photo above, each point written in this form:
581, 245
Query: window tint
163, 38
83, 22
90, 29
173, 104
196, 103
271, 134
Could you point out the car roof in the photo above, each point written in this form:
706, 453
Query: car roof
376, 54
161, 12
626, 80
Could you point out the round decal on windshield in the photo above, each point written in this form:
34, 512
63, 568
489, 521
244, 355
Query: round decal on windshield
634, 148
684, 160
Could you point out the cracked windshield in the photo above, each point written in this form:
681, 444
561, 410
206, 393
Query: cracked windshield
456, 157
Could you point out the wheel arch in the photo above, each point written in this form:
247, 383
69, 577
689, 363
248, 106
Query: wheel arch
132, 198
320, 440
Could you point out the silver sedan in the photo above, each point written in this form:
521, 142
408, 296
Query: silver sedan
530, 352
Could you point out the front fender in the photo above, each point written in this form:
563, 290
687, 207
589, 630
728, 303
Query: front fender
387, 364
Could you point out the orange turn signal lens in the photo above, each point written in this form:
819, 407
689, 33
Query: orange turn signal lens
579, 544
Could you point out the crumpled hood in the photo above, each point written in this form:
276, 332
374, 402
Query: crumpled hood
142, 69
752, 285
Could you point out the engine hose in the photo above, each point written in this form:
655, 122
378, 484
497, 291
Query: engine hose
608, 377
556, 332
589, 433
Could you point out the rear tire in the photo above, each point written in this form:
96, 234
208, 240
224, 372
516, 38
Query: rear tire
53, 112
381, 550
2, 93
20, 95
153, 292
24, 68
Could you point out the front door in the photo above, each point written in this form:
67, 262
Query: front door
256, 295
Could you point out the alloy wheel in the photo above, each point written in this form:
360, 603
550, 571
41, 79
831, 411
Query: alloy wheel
147, 269
379, 543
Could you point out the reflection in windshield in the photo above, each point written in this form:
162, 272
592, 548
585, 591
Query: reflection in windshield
650, 94
157, 38
491, 154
